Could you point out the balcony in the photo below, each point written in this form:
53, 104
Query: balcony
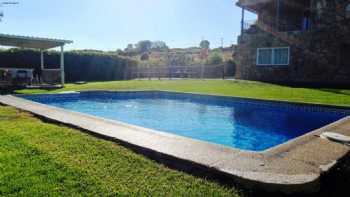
252, 5
248, 24
281, 15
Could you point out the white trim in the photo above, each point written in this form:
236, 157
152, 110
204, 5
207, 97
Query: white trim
42, 59
272, 56
31, 42
62, 65
31, 38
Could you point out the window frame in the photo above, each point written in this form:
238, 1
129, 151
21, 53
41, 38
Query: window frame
273, 49
347, 11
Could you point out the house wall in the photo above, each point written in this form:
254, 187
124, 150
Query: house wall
321, 59
245, 57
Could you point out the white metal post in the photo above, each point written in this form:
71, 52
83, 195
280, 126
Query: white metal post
242, 21
42, 59
62, 65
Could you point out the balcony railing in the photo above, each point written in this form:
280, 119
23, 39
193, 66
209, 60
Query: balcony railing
283, 25
248, 24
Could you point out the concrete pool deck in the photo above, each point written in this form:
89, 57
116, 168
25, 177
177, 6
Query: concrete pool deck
295, 166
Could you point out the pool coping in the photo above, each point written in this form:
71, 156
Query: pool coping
293, 167
346, 107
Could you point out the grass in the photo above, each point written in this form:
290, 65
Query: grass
43, 159
220, 87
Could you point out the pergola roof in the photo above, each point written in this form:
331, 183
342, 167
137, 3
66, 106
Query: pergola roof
251, 5
31, 42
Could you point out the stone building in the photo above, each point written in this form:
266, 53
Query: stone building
295, 42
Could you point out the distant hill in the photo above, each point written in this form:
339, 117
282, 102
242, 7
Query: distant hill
179, 56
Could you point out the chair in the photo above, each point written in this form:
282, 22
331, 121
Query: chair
5, 79
22, 77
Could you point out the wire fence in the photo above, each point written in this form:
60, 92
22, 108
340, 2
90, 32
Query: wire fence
193, 71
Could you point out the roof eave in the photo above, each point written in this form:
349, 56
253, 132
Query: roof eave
250, 4
246, 7
31, 42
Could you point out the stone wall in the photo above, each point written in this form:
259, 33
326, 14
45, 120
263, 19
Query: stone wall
322, 58
245, 58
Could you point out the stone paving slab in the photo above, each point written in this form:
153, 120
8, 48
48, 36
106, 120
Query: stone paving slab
295, 166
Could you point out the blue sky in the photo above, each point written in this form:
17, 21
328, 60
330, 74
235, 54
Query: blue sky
112, 24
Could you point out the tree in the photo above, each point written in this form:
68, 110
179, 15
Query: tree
144, 57
205, 44
143, 46
215, 58
120, 52
129, 48
180, 59
159, 45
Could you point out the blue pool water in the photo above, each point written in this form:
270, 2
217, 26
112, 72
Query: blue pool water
240, 123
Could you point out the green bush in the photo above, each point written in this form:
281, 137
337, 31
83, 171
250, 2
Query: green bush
215, 58
79, 65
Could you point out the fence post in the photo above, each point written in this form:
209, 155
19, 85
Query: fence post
169, 72
202, 71
138, 72
159, 72
223, 71
125, 71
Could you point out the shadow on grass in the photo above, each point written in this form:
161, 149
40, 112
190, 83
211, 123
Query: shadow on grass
4, 91
17, 90
336, 91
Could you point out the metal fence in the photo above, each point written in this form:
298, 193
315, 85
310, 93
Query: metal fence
193, 71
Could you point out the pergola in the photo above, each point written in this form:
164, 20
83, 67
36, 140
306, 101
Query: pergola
41, 44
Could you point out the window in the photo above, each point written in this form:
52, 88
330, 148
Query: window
347, 11
272, 56
265, 56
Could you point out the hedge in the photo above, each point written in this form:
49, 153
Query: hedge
79, 65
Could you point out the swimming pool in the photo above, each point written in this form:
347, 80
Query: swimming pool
239, 123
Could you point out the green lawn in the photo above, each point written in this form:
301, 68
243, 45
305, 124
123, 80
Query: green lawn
221, 87
42, 159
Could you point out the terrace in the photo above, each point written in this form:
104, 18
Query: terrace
281, 15
24, 76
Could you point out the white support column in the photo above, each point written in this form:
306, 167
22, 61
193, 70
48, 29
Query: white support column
42, 59
62, 65
242, 21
